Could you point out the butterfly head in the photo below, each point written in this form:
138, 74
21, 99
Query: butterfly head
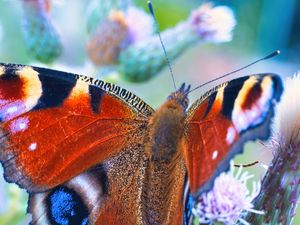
181, 95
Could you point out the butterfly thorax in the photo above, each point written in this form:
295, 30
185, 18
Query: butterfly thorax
162, 192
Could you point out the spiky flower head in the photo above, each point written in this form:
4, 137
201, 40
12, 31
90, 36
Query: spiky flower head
228, 199
280, 190
143, 60
99, 10
105, 44
140, 25
40, 35
120, 29
214, 24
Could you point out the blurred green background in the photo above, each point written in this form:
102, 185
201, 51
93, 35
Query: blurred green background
262, 27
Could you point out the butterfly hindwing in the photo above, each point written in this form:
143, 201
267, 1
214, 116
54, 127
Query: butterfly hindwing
77, 201
55, 125
221, 121
109, 193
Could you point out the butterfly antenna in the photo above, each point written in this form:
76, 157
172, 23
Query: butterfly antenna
161, 41
244, 67
246, 165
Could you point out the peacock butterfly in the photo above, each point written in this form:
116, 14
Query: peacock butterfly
91, 152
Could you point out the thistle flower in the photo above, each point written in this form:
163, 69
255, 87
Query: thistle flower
119, 30
228, 199
143, 60
105, 44
99, 10
280, 191
138, 29
213, 24
40, 36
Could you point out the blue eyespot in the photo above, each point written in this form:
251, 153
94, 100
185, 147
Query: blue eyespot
66, 207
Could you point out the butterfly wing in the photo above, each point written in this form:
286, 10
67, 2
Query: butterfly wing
55, 125
222, 120
109, 193
74, 143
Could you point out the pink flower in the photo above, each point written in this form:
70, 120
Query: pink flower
228, 199
140, 24
213, 23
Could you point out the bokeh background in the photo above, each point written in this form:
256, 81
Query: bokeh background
262, 27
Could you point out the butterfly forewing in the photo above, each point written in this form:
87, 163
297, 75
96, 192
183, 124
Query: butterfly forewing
221, 121
56, 125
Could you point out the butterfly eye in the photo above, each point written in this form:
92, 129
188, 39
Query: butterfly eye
185, 103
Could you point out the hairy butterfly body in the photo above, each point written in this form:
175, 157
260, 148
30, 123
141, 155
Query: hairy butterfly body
90, 152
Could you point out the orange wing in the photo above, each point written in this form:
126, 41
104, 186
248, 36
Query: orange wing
222, 120
56, 125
